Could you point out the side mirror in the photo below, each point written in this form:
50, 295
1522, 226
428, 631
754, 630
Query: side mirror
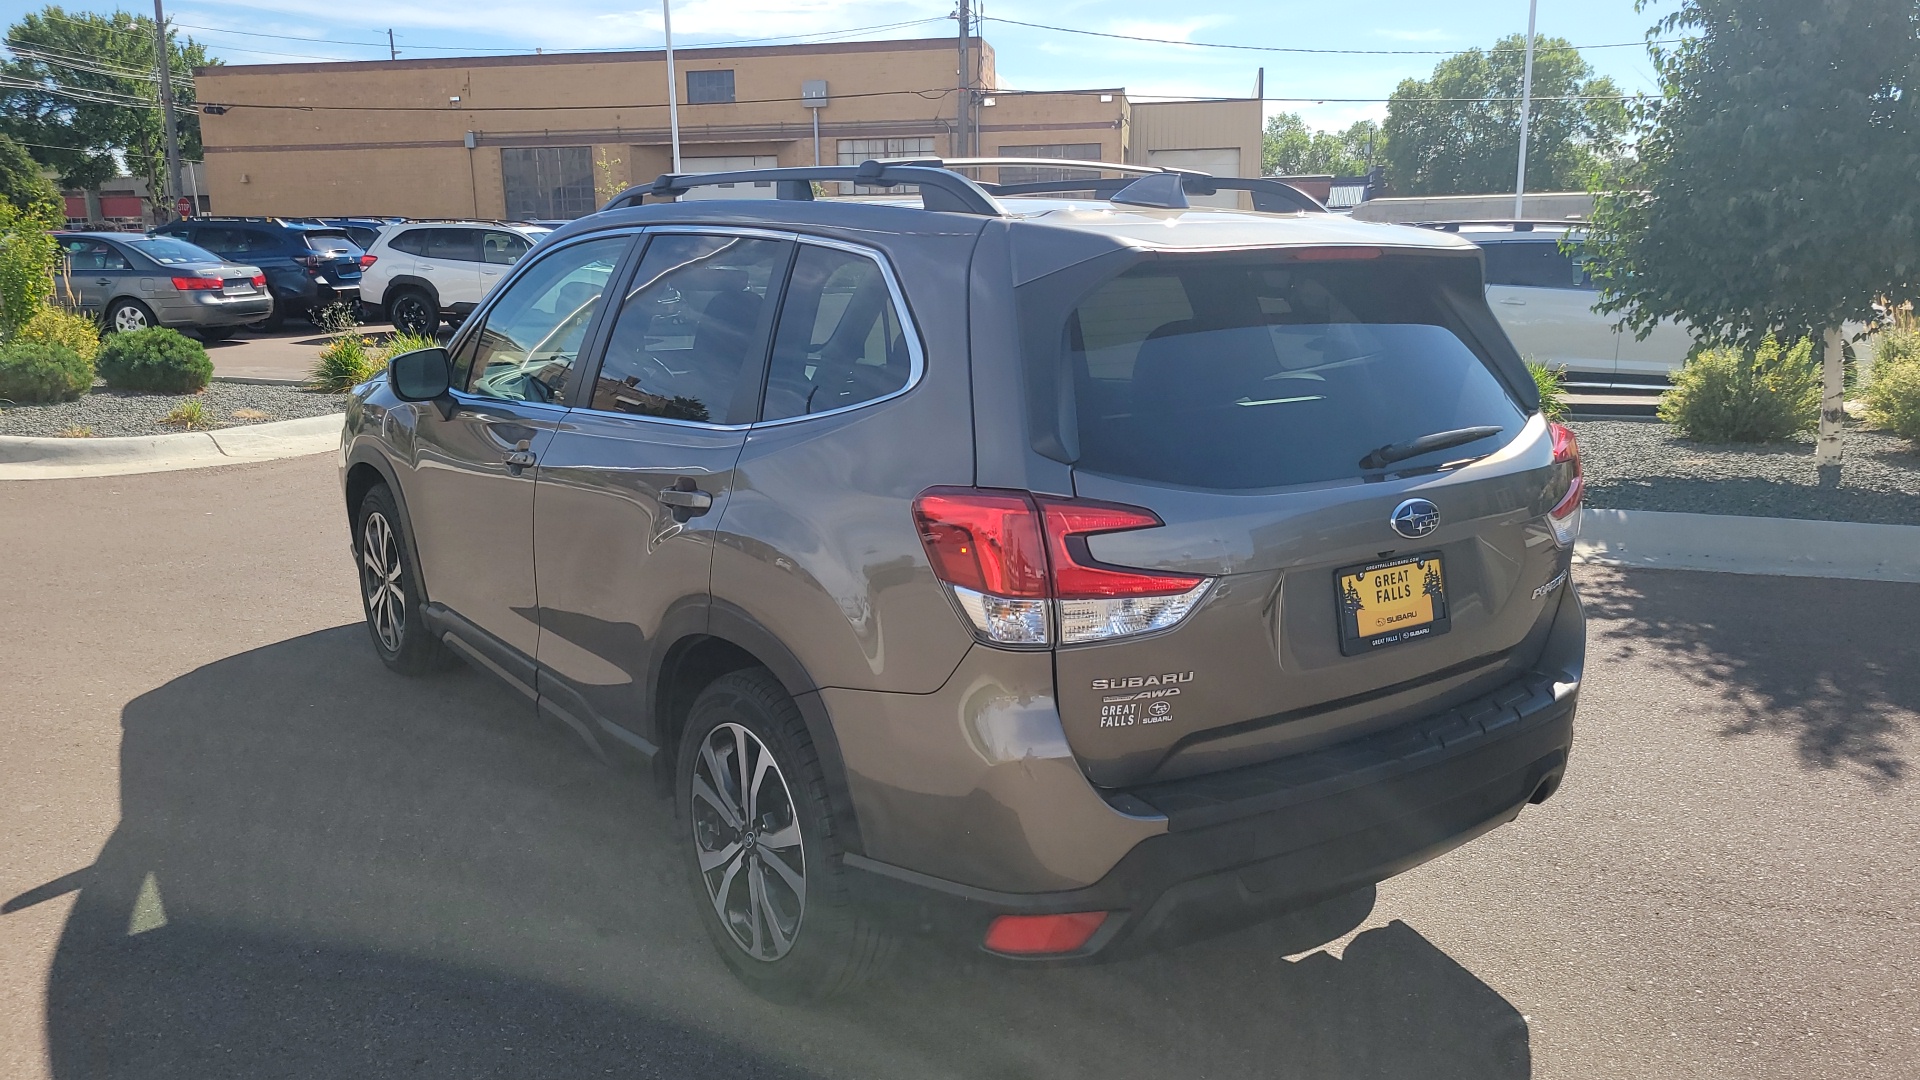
420, 375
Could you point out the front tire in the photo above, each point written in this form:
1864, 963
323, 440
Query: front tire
390, 589
128, 316
414, 312
763, 852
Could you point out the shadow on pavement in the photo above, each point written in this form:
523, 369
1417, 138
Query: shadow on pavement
1819, 660
323, 870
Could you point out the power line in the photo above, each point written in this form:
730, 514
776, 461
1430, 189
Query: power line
74, 93
1318, 52
457, 49
56, 59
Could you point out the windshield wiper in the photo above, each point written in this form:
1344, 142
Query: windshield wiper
1439, 440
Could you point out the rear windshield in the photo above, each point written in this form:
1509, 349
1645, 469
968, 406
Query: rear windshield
332, 243
170, 251
1266, 374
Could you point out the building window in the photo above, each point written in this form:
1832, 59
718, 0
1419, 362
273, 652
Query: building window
709, 87
855, 151
545, 182
1035, 175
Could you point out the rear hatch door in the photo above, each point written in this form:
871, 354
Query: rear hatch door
339, 256
1250, 403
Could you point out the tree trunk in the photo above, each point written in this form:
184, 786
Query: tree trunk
1833, 399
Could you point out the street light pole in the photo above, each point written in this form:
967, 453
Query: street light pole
673, 87
164, 60
1526, 112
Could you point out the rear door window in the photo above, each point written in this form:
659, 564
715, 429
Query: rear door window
691, 333
1535, 264
1237, 374
453, 245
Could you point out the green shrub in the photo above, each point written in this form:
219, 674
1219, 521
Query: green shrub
1551, 382
190, 415
1893, 398
156, 359
1895, 345
57, 326
403, 342
345, 363
29, 255
32, 371
1745, 395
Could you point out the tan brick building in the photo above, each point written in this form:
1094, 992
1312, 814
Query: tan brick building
546, 136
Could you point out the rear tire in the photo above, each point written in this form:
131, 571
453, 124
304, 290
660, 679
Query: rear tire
127, 316
412, 311
766, 875
390, 589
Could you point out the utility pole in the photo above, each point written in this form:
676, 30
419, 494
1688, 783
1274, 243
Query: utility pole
1526, 113
962, 137
673, 87
392, 53
164, 59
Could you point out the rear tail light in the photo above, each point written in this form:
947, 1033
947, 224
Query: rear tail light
259, 281
193, 284
1564, 518
368, 260
1019, 566
1041, 935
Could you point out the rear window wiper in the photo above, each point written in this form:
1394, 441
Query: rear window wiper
1439, 440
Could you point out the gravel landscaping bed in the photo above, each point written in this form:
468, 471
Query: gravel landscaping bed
1644, 466
105, 413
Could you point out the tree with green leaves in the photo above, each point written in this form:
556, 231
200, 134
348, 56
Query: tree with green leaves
81, 91
1457, 132
1290, 148
1779, 179
23, 182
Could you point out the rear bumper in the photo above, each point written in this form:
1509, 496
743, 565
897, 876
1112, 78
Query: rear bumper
215, 309
1253, 842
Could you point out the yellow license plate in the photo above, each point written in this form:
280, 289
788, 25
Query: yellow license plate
1391, 602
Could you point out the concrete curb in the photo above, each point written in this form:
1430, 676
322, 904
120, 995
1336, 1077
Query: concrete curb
1787, 547
53, 459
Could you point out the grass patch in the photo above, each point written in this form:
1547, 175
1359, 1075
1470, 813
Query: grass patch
74, 431
249, 414
1552, 384
190, 415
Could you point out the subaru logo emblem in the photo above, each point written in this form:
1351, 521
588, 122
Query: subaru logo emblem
1415, 518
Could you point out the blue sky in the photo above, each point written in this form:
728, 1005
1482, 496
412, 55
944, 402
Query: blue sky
1028, 59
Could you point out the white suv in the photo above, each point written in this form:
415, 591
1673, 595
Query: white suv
421, 271
1544, 298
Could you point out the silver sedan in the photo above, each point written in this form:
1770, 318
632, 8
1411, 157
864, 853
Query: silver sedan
132, 281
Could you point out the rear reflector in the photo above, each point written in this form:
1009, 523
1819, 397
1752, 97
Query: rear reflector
192, 284
1013, 558
1564, 518
1040, 935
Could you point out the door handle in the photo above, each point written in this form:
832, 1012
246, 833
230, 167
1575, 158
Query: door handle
686, 500
520, 457
103, 281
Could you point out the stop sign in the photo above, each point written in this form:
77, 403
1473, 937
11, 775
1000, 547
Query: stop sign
184, 206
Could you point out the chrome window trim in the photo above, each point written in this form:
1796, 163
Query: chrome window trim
916, 355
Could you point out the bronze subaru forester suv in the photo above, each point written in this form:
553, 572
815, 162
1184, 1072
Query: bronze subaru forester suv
1055, 563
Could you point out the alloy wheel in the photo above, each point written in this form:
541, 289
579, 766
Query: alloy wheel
380, 580
129, 319
747, 836
410, 315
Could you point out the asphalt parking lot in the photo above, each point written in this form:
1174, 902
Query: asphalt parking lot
231, 844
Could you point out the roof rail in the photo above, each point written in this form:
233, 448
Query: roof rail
1515, 224
940, 188
1269, 196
